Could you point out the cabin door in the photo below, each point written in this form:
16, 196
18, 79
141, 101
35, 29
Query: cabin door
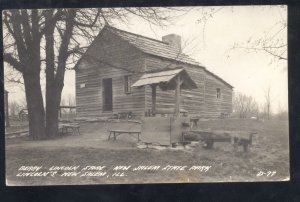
107, 95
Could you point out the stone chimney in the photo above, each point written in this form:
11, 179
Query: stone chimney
173, 40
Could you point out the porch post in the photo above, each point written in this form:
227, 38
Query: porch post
153, 86
177, 97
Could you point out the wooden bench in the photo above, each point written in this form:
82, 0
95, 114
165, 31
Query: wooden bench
116, 133
73, 126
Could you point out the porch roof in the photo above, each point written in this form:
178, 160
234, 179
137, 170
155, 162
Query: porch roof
165, 79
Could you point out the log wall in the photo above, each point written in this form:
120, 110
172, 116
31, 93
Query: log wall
191, 100
92, 70
215, 106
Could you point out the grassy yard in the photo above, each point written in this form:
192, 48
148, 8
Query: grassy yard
267, 160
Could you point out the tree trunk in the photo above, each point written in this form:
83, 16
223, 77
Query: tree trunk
52, 106
35, 105
52, 109
55, 82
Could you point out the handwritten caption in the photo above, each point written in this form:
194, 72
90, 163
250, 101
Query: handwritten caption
269, 173
102, 171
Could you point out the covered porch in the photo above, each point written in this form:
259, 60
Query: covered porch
170, 79
165, 130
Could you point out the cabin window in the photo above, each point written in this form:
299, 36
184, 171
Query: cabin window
218, 93
127, 83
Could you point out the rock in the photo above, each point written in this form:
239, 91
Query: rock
140, 143
187, 147
150, 146
92, 120
24, 134
135, 121
177, 147
194, 144
159, 147
100, 119
142, 146
80, 119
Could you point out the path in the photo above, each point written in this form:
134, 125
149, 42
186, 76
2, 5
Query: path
94, 135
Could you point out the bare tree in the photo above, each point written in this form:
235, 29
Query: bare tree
268, 101
245, 106
53, 40
273, 41
282, 113
23, 54
207, 13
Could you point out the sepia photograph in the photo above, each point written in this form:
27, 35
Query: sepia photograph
136, 95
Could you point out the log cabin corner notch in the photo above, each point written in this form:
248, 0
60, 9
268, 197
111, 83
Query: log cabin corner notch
117, 59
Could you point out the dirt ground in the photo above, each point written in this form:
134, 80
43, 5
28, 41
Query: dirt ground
267, 160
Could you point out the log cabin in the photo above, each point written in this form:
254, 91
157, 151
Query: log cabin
117, 59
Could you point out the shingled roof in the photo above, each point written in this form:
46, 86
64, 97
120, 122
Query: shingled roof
153, 46
157, 48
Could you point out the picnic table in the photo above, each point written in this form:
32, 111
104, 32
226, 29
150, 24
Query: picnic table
116, 133
73, 126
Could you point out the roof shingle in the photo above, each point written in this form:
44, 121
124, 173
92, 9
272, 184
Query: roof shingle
153, 47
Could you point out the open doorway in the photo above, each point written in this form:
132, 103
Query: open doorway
107, 95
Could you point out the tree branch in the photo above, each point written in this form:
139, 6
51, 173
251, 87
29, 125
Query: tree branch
26, 27
262, 49
78, 50
92, 24
16, 32
7, 57
63, 50
56, 17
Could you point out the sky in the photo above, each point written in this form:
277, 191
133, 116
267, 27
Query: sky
249, 73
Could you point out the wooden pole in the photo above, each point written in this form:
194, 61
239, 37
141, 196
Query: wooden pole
153, 86
177, 97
